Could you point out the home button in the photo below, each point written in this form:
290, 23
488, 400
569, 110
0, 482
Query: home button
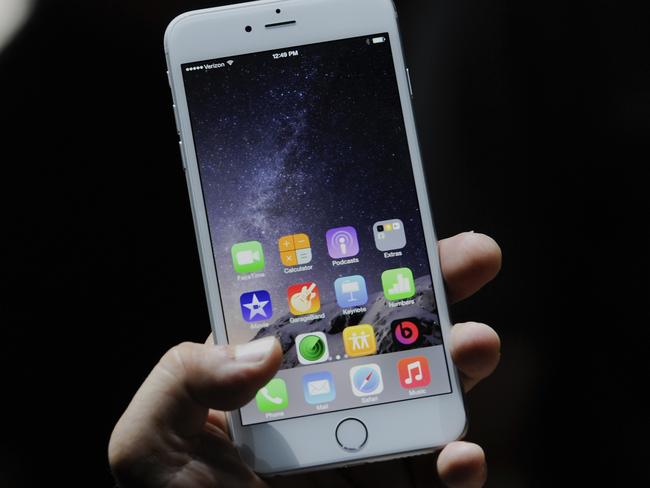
351, 434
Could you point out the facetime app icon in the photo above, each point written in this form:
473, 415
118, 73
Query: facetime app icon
247, 257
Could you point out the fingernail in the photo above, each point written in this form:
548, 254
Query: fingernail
256, 351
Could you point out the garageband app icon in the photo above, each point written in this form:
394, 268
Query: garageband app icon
256, 306
389, 235
406, 333
342, 242
294, 249
304, 298
414, 372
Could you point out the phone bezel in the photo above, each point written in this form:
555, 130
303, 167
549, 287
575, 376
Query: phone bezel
282, 446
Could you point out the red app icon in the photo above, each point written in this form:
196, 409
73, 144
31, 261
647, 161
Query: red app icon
303, 298
414, 372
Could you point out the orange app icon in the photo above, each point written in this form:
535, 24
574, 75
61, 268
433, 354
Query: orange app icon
294, 249
359, 340
303, 298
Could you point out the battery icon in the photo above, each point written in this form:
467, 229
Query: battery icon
378, 40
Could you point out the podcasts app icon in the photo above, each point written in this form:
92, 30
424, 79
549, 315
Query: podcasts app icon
342, 242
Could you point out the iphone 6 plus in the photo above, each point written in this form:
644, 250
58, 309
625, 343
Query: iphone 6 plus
313, 222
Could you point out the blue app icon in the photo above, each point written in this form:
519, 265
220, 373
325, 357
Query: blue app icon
256, 306
318, 387
351, 291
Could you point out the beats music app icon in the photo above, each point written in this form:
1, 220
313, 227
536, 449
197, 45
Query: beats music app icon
407, 333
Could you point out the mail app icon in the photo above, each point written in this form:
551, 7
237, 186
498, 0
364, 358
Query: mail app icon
318, 388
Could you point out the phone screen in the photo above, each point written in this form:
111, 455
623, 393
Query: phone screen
316, 231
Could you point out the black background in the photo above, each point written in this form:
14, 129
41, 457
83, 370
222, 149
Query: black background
533, 119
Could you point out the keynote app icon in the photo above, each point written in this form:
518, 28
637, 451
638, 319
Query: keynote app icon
351, 291
342, 242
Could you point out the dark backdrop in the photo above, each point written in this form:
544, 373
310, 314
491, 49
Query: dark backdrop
534, 120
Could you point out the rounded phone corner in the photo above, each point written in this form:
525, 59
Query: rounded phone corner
170, 28
464, 429
462, 426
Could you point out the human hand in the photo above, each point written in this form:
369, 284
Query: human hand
174, 433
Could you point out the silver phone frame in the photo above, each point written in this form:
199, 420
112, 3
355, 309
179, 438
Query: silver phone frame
282, 446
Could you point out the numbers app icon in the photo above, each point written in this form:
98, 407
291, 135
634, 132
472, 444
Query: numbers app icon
398, 283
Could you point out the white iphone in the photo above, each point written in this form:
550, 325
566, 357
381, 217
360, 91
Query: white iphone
313, 223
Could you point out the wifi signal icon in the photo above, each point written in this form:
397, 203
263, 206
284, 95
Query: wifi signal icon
230, 61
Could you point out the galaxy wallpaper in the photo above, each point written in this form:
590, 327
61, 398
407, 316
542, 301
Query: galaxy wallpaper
302, 144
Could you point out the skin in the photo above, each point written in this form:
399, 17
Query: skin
174, 434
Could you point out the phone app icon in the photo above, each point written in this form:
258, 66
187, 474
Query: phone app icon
342, 242
414, 372
294, 249
351, 291
273, 396
407, 333
389, 235
366, 380
303, 298
398, 283
311, 348
247, 257
359, 340
318, 387
256, 306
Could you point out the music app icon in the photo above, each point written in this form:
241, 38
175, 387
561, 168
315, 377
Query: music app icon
414, 372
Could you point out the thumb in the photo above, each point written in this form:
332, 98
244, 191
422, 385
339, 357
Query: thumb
192, 378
